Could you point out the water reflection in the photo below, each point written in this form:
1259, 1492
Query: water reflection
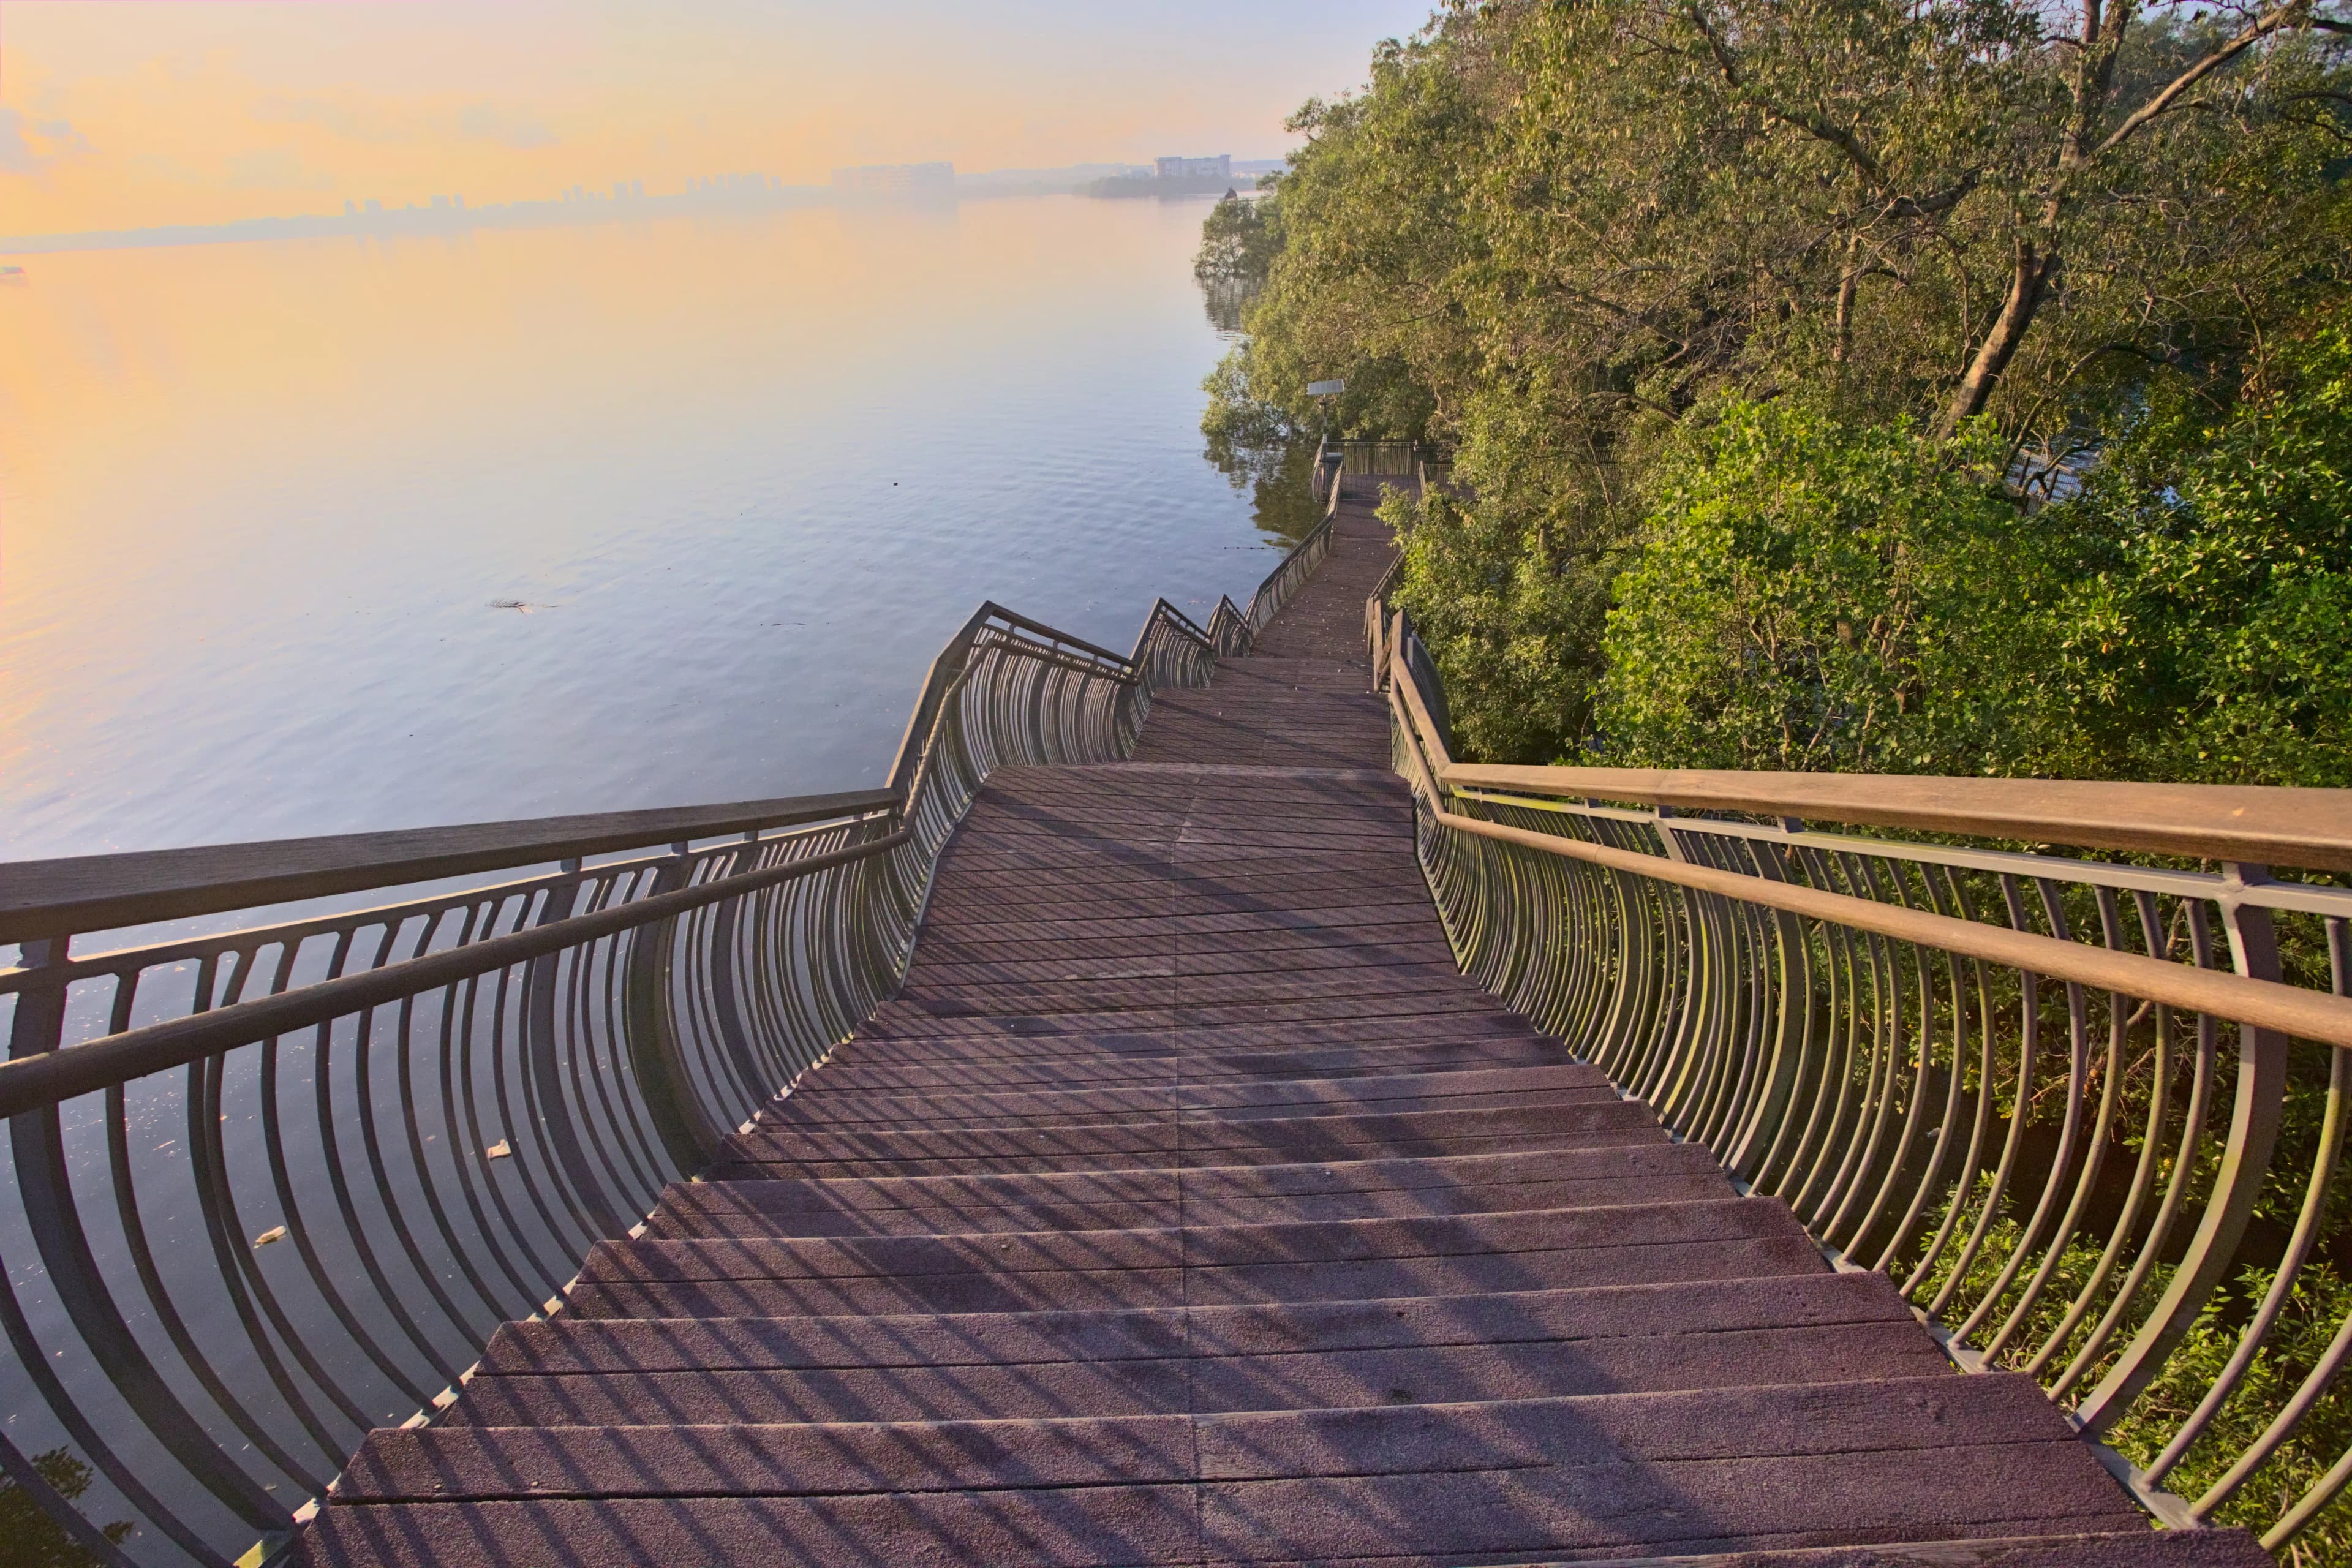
325, 535
1271, 466
1276, 476
1225, 298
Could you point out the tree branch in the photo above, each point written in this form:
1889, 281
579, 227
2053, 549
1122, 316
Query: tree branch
1813, 125
2294, 13
1928, 205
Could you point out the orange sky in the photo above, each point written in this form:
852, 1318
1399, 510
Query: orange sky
116, 113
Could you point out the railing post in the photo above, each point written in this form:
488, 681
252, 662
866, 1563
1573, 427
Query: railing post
650, 1027
2245, 1163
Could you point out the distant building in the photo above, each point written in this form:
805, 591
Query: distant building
896, 180
1220, 167
374, 206
350, 208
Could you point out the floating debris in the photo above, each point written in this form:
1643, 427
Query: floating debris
274, 1233
501, 1150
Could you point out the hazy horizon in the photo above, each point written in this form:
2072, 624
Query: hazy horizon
145, 113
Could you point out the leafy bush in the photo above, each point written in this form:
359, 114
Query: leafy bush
1818, 597
2207, 631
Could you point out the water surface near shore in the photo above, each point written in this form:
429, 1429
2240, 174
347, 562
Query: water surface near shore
325, 536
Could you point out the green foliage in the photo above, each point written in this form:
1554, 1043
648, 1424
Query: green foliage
1491, 599
1553, 231
1816, 597
1239, 240
2207, 631
28, 1537
1819, 595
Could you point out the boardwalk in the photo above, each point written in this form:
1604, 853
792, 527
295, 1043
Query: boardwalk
1189, 1206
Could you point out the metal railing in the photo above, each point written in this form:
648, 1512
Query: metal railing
1337, 457
1233, 630
1993, 1069
293, 1127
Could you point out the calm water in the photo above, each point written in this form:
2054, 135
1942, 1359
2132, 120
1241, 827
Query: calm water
747, 477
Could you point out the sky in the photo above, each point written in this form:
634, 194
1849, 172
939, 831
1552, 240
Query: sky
122, 113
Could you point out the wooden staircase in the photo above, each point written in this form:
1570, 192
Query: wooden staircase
1188, 1206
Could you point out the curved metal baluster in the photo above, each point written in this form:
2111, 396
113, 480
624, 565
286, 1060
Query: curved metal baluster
229, 1243
371, 1143
297, 1226
1955, 1080
339, 1182
248, 1259
1836, 1050
597, 1034
1911, 1102
1957, 1196
1823, 962
2143, 1182
412, 1120
523, 1155
714, 938
465, 1149
1891, 1049
2299, 1244
2029, 1035
1794, 1036
2254, 1116
2078, 1063
167, 1311
1762, 1037
45, 1192
2184, 1166
291, 1210
1837, 1083
2095, 1147
1706, 1055
2324, 1372
586, 1193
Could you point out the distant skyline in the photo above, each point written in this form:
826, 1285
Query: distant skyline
624, 200
138, 113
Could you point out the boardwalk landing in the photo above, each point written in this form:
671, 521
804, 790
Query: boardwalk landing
1189, 1207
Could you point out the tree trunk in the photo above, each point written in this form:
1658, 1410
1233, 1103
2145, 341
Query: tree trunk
2027, 285
1842, 340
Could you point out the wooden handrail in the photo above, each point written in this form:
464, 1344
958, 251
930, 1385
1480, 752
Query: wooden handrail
2307, 829
29, 1083
2266, 1004
2264, 826
46, 898
2201, 816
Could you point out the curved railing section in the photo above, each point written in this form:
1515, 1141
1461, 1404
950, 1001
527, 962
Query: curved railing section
1234, 630
293, 1127
2085, 1109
